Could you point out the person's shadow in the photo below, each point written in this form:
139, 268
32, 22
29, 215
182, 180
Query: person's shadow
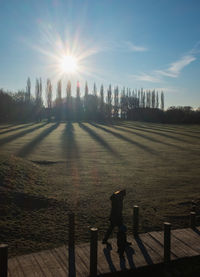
129, 253
106, 252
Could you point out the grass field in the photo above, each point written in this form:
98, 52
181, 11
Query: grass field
47, 169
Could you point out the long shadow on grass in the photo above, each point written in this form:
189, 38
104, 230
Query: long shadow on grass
157, 133
169, 131
119, 136
99, 139
21, 134
69, 145
7, 126
28, 148
17, 128
121, 128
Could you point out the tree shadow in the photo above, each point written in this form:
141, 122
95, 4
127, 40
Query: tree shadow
28, 148
7, 126
18, 128
70, 149
121, 128
175, 131
21, 134
99, 139
157, 133
119, 136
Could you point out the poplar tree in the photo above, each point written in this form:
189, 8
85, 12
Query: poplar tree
49, 94
162, 101
109, 102
153, 99
78, 109
94, 101
49, 98
38, 98
59, 100
123, 103
59, 92
116, 102
86, 100
68, 101
102, 101
28, 90
157, 100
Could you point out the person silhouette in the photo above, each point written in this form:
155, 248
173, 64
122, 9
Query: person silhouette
116, 218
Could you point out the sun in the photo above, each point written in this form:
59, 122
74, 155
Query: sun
68, 64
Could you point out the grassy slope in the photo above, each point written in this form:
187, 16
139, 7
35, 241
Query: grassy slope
77, 166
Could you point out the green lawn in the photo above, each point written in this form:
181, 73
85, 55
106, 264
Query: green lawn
47, 169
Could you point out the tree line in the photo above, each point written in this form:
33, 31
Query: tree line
97, 105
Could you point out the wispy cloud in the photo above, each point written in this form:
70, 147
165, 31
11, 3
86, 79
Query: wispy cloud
175, 68
172, 71
146, 77
125, 46
133, 47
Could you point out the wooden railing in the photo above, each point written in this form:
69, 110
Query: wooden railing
94, 245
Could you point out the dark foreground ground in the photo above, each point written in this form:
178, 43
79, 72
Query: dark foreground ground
49, 169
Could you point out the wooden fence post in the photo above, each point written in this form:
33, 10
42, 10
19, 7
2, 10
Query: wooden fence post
71, 246
167, 242
135, 220
193, 220
93, 251
3, 260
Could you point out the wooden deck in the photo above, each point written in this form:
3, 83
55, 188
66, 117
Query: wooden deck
146, 250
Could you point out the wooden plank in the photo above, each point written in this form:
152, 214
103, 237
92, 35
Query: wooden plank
154, 244
145, 250
177, 247
29, 266
155, 250
45, 270
84, 251
113, 257
135, 255
159, 237
64, 251
190, 237
52, 264
59, 257
105, 259
143, 253
84, 255
14, 268
182, 237
62, 254
80, 261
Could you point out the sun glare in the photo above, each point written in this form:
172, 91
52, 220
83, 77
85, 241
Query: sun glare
68, 64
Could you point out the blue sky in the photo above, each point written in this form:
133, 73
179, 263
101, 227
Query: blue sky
137, 44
